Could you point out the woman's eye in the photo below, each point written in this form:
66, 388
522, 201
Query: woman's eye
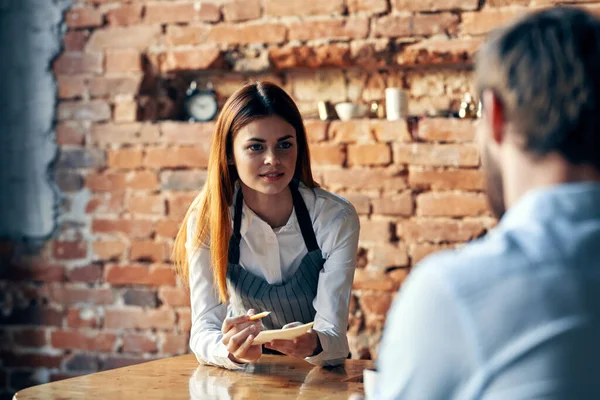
255, 147
285, 145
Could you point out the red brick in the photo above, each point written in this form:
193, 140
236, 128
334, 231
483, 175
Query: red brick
375, 230
326, 55
134, 37
75, 41
179, 203
376, 303
174, 296
108, 135
316, 131
444, 204
72, 62
369, 131
233, 34
417, 25
369, 154
436, 155
147, 250
69, 295
123, 61
373, 280
450, 179
134, 229
94, 110
84, 18
70, 133
434, 5
371, 54
439, 52
360, 202
108, 181
184, 320
421, 250
102, 203
205, 57
175, 157
167, 228
77, 340
183, 180
137, 274
174, 344
135, 343
367, 6
446, 130
364, 178
186, 35
69, 250
137, 318
437, 230
126, 158
82, 318
88, 273
277, 8
487, 19
30, 337
241, 10
400, 204
341, 29
70, 87
327, 154
126, 14
111, 87
125, 111
385, 256
109, 249
167, 13
143, 180
185, 133
147, 204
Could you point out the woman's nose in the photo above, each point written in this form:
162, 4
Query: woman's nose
272, 158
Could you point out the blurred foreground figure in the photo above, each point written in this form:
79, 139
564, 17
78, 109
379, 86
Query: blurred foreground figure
516, 314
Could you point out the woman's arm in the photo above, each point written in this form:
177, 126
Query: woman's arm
335, 285
208, 313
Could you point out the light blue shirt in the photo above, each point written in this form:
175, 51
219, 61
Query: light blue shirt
513, 315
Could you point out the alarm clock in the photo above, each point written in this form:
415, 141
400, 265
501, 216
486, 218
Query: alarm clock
200, 105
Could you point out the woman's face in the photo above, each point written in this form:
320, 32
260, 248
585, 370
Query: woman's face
265, 153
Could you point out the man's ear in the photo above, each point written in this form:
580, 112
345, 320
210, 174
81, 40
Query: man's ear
494, 113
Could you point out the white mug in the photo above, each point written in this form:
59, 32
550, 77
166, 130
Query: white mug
369, 382
396, 103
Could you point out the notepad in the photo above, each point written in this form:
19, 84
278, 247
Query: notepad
282, 334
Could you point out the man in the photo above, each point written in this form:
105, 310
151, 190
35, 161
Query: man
516, 314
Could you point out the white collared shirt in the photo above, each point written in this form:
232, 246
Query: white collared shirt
275, 255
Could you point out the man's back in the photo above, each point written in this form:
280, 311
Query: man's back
513, 315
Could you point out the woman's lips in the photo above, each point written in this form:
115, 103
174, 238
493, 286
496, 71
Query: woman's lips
272, 176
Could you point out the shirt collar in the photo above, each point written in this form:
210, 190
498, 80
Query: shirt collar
579, 200
250, 219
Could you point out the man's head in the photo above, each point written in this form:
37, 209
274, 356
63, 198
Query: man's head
539, 84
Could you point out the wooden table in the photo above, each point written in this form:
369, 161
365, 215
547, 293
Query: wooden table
272, 377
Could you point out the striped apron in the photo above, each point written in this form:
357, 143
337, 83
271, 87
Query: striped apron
289, 301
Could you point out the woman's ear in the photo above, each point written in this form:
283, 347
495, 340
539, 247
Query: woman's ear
230, 161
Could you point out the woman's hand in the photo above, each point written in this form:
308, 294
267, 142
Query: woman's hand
303, 346
238, 335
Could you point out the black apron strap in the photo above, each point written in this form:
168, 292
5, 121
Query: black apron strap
303, 217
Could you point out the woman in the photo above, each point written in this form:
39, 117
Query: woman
262, 236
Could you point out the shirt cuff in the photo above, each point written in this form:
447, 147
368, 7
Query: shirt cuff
329, 356
222, 357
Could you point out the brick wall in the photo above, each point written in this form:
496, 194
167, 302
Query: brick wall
102, 293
